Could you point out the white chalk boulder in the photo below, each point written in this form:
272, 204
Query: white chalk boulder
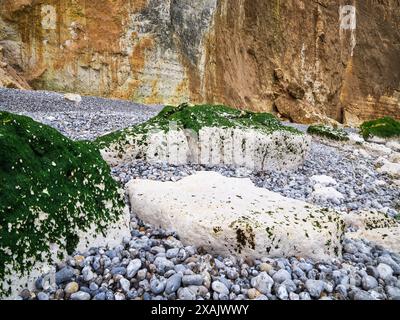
237, 147
209, 135
375, 227
73, 97
232, 216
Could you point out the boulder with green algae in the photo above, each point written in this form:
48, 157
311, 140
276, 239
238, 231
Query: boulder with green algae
386, 128
209, 135
56, 196
328, 132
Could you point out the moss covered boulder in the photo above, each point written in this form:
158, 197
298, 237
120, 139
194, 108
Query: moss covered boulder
328, 133
382, 128
209, 135
56, 196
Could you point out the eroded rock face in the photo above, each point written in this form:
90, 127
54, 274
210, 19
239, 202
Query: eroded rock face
9, 77
333, 57
232, 216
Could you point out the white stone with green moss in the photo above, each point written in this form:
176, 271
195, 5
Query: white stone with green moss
56, 196
232, 216
209, 135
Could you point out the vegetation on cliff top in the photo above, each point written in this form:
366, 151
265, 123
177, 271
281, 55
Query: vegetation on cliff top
197, 117
386, 127
328, 132
50, 189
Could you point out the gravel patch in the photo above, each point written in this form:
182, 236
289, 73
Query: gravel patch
87, 120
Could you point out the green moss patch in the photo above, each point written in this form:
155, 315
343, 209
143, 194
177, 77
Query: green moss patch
195, 118
328, 132
383, 128
50, 188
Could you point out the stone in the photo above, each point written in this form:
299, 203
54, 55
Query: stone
327, 194
393, 292
71, 287
186, 294
100, 296
119, 296
385, 271
294, 296
173, 283
362, 295
281, 276
118, 271
64, 275
342, 290
308, 231
323, 180
282, 293
141, 274
289, 285
369, 283
163, 264
80, 295
391, 169
315, 287
304, 296
394, 145
372, 271
374, 227
157, 286
43, 296
253, 293
220, 287
76, 98
263, 283
172, 253
265, 267
390, 262
87, 273
195, 280
125, 284
93, 286
133, 267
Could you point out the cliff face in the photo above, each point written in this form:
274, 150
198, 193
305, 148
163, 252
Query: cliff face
339, 58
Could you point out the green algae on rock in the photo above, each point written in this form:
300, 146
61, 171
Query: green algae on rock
386, 127
208, 134
328, 132
52, 191
196, 117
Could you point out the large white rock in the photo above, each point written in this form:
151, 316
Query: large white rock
394, 145
232, 216
375, 227
326, 193
391, 169
238, 147
113, 236
323, 180
73, 97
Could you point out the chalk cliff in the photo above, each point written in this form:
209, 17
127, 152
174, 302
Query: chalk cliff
305, 59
